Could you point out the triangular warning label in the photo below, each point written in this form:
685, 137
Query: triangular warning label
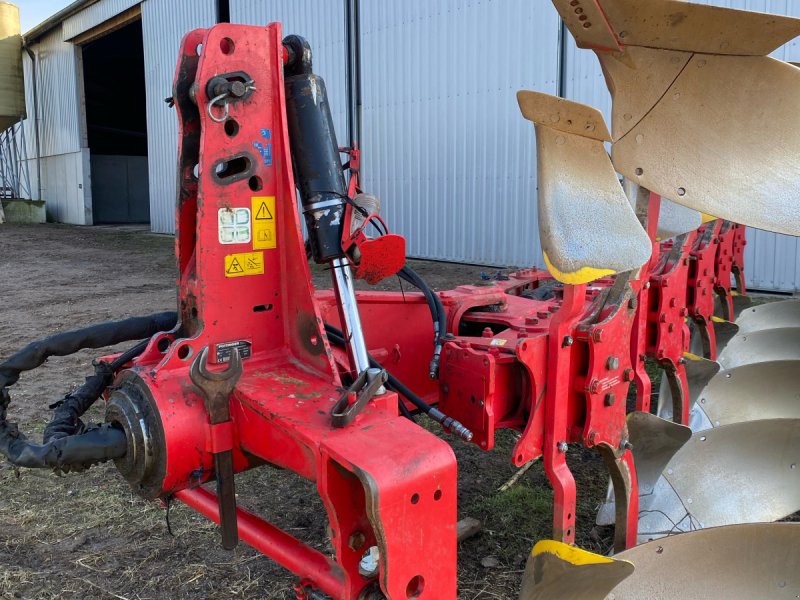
263, 213
235, 267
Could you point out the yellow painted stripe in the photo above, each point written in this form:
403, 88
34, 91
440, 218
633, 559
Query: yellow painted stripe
719, 320
582, 275
570, 554
706, 218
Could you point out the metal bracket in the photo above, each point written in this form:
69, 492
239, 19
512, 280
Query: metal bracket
363, 389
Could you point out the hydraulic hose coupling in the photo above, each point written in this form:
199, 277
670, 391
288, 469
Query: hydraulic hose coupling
450, 424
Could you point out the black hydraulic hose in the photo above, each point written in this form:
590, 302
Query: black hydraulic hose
448, 423
66, 416
68, 443
69, 342
405, 412
71, 453
437, 313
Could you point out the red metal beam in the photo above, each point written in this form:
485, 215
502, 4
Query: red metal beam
281, 547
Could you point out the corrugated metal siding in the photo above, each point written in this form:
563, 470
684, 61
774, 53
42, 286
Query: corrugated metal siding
58, 81
65, 187
164, 23
93, 15
28, 125
445, 145
30, 138
65, 163
584, 81
321, 22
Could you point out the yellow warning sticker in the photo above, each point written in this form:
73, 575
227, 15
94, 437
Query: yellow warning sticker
244, 263
264, 227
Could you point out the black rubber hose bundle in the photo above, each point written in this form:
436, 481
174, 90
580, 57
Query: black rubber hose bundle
437, 313
68, 443
69, 342
66, 416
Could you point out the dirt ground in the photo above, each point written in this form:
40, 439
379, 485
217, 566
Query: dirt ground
88, 536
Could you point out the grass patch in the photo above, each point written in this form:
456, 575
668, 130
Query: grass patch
514, 518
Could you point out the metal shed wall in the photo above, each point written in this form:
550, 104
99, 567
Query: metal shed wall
65, 160
164, 23
322, 23
445, 145
94, 15
772, 261
58, 76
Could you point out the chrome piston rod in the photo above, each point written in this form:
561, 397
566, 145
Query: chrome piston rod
348, 311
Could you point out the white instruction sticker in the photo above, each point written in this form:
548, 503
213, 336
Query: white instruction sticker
234, 226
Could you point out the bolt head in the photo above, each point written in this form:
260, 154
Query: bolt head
356, 541
238, 89
627, 375
562, 447
369, 564
612, 363
568, 341
610, 399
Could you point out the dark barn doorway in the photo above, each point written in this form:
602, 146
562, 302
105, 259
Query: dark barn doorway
116, 125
